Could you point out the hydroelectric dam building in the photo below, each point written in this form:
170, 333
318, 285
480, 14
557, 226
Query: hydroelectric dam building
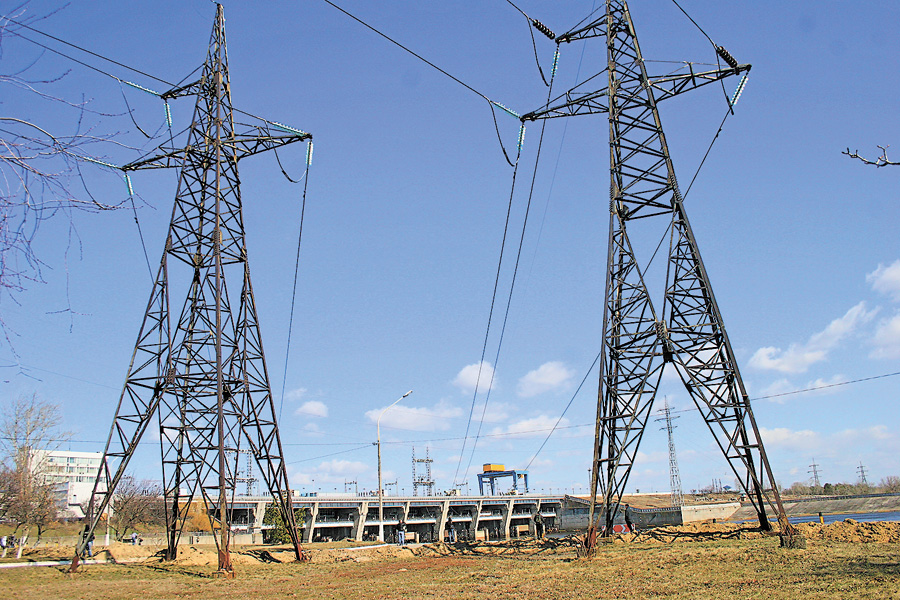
428, 518
327, 517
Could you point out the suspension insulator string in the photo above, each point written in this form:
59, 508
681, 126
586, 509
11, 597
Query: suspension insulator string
543, 29
727, 57
738, 91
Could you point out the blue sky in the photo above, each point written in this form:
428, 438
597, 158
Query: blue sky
407, 199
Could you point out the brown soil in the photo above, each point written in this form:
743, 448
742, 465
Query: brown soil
849, 530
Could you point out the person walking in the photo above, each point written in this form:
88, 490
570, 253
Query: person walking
628, 520
134, 537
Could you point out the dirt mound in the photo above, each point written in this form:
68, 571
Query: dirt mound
360, 554
512, 547
206, 557
129, 553
849, 530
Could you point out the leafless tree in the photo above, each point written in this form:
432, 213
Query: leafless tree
136, 503
42, 173
29, 427
881, 161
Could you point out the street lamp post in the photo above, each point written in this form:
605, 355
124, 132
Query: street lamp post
380, 490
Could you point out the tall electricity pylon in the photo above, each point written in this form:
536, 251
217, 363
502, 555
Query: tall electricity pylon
688, 332
674, 475
202, 372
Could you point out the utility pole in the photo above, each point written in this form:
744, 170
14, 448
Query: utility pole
687, 331
200, 372
674, 476
814, 469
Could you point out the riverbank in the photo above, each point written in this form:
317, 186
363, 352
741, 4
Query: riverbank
828, 505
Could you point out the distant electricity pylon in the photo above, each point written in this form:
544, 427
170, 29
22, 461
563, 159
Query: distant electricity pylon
420, 480
862, 475
674, 475
646, 212
814, 469
201, 371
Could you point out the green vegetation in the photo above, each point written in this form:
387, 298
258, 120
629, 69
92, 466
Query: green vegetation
279, 533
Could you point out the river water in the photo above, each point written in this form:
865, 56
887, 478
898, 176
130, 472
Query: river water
871, 517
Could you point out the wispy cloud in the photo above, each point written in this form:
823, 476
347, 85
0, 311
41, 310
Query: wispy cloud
480, 374
415, 418
886, 280
781, 390
799, 357
887, 338
534, 427
296, 394
549, 376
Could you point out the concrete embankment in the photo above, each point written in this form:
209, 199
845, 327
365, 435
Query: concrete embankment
829, 505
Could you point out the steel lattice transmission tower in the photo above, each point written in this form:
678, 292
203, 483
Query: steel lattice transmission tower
200, 373
422, 481
674, 475
687, 330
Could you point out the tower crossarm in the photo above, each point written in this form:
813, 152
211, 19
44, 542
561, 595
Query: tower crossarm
240, 146
574, 103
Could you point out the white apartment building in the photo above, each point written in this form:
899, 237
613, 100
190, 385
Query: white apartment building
73, 475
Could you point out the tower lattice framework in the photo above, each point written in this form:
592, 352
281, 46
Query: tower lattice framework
687, 330
200, 373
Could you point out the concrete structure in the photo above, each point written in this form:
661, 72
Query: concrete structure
72, 475
428, 518
576, 510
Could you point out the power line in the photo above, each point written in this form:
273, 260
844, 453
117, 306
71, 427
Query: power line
399, 45
829, 385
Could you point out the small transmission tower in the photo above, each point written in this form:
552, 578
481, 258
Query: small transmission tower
246, 474
200, 372
422, 481
814, 471
674, 475
862, 475
687, 330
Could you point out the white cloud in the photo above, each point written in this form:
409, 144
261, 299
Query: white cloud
782, 388
651, 457
886, 280
538, 426
468, 377
414, 418
340, 467
804, 440
312, 429
799, 357
296, 394
777, 387
887, 338
549, 376
313, 408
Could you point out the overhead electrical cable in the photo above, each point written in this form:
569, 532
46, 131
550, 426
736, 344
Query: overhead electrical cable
509, 298
490, 102
565, 410
490, 313
287, 352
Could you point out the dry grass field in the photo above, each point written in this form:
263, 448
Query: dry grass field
712, 562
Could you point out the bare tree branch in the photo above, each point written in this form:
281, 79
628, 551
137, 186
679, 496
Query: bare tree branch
881, 161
